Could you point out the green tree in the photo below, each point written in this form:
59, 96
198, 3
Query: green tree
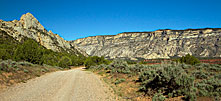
95, 60
89, 62
29, 51
76, 60
65, 62
50, 59
4, 54
7, 45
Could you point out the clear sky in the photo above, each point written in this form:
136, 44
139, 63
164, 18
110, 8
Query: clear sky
81, 18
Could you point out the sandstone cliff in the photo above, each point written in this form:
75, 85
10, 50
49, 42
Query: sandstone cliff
29, 26
156, 44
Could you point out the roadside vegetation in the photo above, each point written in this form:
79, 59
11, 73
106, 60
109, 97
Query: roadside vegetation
182, 79
30, 51
20, 61
12, 72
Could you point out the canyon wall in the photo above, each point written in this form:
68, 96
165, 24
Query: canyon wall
157, 44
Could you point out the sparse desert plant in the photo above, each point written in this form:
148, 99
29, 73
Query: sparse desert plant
158, 97
118, 81
185, 66
8, 66
168, 79
120, 66
25, 63
44, 70
136, 68
26, 71
209, 87
172, 79
200, 74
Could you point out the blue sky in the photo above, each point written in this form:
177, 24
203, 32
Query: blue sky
73, 19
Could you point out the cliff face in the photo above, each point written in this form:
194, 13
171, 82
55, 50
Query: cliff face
157, 44
29, 26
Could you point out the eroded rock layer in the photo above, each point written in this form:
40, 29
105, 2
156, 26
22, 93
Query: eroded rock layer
157, 44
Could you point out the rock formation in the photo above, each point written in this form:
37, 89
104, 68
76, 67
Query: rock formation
129, 45
157, 44
29, 26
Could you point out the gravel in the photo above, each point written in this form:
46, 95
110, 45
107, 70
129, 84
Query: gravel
71, 85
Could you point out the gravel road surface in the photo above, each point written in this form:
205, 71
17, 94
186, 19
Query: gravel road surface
70, 85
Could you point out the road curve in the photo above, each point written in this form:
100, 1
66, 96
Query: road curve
71, 85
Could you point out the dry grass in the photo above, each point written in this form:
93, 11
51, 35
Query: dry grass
22, 74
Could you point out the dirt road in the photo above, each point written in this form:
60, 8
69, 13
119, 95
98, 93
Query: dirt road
71, 85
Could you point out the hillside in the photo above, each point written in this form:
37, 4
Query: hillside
157, 44
27, 40
28, 26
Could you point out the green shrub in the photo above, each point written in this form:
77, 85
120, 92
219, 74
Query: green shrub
118, 81
171, 79
158, 97
215, 67
209, 87
191, 94
217, 98
50, 59
26, 71
25, 63
7, 45
185, 66
76, 61
65, 62
89, 62
120, 66
200, 74
4, 54
44, 70
131, 62
188, 59
95, 60
168, 79
8, 66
